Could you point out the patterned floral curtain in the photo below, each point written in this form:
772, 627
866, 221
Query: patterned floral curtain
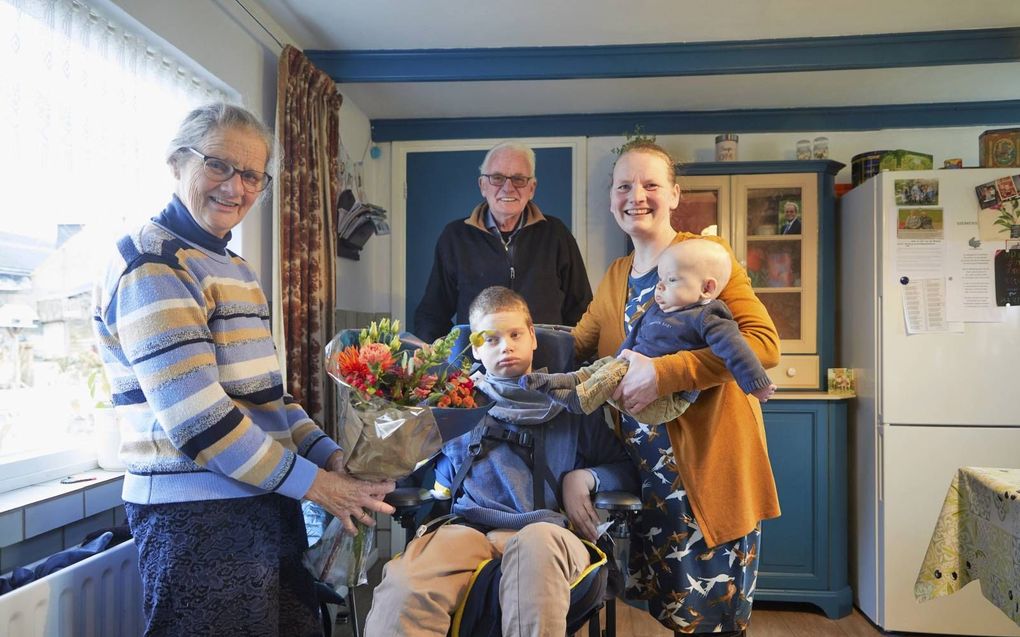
308, 125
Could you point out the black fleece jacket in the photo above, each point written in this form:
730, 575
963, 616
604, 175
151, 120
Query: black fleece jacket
541, 262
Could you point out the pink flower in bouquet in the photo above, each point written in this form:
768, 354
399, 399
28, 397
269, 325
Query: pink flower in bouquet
377, 356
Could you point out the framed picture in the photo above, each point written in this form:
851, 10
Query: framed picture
789, 216
841, 380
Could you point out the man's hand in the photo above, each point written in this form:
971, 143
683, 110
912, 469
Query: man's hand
640, 386
350, 499
577, 488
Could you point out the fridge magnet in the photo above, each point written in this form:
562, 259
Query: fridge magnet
841, 381
919, 223
1007, 277
1007, 189
917, 192
987, 196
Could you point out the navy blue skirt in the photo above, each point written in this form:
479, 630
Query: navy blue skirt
224, 567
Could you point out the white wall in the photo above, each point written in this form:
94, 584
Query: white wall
364, 285
606, 241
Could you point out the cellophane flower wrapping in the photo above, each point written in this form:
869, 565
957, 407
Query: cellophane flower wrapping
388, 388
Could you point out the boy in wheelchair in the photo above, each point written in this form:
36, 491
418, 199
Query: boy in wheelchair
508, 479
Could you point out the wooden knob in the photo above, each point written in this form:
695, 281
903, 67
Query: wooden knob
791, 371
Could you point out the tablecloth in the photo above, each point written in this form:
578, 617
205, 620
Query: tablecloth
977, 537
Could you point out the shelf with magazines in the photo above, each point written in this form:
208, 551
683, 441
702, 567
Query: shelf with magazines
778, 216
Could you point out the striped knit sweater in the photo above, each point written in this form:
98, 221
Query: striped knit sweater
183, 329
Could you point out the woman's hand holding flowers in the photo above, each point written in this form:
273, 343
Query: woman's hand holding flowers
349, 499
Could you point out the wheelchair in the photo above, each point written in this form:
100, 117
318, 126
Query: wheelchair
593, 591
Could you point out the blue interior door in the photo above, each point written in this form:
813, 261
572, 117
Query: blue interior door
443, 186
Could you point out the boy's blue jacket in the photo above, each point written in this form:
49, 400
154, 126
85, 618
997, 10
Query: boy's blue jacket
498, 493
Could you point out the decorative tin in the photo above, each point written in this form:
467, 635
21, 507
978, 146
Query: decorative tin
726, 147
865, 165
869, 164
999, 148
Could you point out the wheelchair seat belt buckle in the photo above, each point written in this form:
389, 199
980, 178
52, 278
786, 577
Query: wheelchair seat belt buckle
432, 525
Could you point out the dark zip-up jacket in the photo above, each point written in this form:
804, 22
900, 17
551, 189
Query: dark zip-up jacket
541, 262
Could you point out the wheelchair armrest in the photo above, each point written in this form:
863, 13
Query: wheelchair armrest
617, 501
407, 497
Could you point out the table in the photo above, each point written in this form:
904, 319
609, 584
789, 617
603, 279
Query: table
977, 537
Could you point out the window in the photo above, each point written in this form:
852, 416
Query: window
87, 110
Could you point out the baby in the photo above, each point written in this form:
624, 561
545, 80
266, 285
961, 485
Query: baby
687, 314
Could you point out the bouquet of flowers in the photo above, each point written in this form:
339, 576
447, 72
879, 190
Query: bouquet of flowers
393, 391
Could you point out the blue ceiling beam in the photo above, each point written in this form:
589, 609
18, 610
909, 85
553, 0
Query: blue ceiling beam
765, 120
934, 48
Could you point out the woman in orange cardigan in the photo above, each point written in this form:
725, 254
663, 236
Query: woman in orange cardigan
707, 482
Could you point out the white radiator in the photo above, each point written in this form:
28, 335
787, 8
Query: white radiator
97, 597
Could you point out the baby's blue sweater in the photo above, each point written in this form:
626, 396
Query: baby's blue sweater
183, 330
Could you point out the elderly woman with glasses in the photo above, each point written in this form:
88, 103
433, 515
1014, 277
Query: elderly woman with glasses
218, 454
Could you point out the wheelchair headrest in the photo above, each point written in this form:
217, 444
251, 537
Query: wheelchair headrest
555, 348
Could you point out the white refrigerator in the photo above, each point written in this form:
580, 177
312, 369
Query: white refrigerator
927, 403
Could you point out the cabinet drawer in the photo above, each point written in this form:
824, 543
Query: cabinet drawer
796, 371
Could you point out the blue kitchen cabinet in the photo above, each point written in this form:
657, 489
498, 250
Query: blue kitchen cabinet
804, 551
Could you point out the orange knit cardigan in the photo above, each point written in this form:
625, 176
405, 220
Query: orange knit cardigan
719, 443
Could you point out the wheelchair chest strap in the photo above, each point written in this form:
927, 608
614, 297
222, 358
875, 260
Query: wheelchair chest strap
528, 444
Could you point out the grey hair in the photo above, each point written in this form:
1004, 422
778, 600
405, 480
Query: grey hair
517, 147
203, 120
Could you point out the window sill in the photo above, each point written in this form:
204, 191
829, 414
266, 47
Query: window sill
37, 509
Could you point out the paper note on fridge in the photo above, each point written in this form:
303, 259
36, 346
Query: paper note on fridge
924, 307
970, 284
920, 258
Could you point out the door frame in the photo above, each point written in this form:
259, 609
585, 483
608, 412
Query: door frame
398, 198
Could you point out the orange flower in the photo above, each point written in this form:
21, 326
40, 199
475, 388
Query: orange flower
349, 362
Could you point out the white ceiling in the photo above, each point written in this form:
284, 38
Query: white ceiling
421, 24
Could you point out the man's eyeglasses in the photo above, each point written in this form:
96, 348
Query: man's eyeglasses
219, 170
497, 180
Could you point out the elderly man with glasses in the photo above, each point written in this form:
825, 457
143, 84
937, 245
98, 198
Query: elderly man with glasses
505, 241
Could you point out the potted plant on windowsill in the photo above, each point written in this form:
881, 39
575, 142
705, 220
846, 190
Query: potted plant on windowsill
104, 417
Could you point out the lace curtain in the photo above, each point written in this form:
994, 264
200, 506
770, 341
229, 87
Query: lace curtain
87, 108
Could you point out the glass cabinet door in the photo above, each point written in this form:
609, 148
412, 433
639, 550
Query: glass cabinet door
776, 238
704, 205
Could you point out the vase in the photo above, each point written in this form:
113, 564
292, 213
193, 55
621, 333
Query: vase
107, 438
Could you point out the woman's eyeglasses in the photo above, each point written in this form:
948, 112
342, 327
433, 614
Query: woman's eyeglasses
497, 180
219, 170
